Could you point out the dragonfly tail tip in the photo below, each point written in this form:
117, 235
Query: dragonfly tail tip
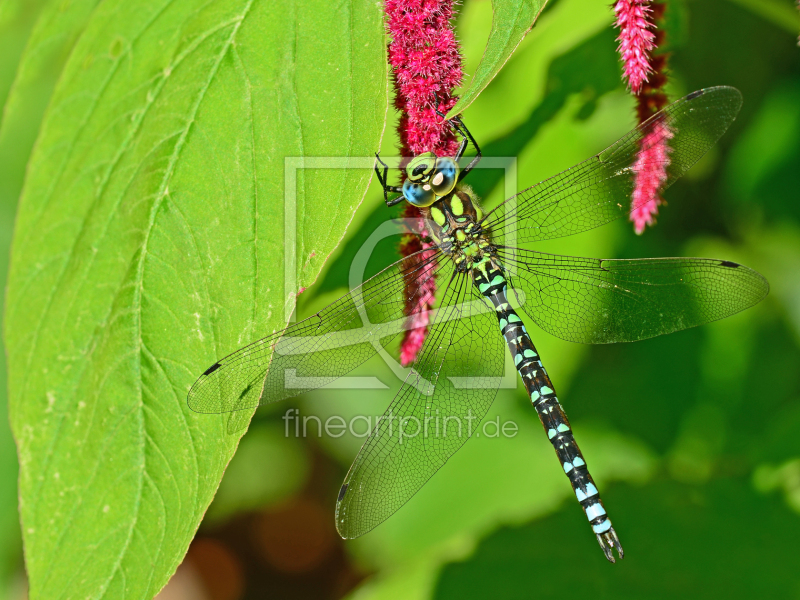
608, 541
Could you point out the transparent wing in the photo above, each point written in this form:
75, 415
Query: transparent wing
319, 349
599, 301
600, 189
440, 405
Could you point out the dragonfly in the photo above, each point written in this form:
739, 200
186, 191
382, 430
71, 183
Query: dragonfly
483, 266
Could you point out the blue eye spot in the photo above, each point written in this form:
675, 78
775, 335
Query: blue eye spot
418, 194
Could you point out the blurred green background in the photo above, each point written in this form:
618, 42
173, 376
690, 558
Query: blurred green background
694, 438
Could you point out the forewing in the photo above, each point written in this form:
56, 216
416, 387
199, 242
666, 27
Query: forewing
600, 189
319, 349
452, 385
599, 301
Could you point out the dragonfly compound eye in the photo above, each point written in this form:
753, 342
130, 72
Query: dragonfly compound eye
418, 194
420, 168
445, 176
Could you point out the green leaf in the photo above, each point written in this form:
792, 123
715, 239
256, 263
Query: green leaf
511, 22
35, 39
153, 237
17, 18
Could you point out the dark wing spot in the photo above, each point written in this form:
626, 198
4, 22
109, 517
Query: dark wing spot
727, 263
342, 492
696, 94
245, 391
212, 368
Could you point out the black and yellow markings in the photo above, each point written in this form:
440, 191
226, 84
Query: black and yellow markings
456, 205
438, 216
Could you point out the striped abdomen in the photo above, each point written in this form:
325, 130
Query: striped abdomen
488, 276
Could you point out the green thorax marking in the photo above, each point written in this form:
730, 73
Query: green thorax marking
438, 216
453, 222
456, 205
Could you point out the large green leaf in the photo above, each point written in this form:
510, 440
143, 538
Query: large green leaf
17, 18
511, 22
153, 237
46, 31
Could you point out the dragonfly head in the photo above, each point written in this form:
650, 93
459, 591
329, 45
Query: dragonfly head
428, 178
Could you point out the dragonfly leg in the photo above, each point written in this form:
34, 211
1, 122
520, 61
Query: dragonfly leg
383, 179
461, 149
458, 124
462, 129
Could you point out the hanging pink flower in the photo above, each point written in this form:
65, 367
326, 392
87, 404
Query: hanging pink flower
653, 158
422, 292
426, 65
636, 40
645, 73
650, 173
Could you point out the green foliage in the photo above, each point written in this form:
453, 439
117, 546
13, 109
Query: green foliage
17, 18
149, 241
38, 36
245, 487
154, 237
717, 408
710, 540
511, 22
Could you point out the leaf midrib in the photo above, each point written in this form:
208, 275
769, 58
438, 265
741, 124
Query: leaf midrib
137, 305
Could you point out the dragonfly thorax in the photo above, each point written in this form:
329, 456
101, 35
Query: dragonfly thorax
454, 224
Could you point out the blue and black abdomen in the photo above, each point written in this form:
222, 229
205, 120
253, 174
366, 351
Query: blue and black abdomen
490, 280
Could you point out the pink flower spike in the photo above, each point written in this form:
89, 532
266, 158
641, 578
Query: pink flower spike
650, 173
426, 65
420, 296
636, 40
